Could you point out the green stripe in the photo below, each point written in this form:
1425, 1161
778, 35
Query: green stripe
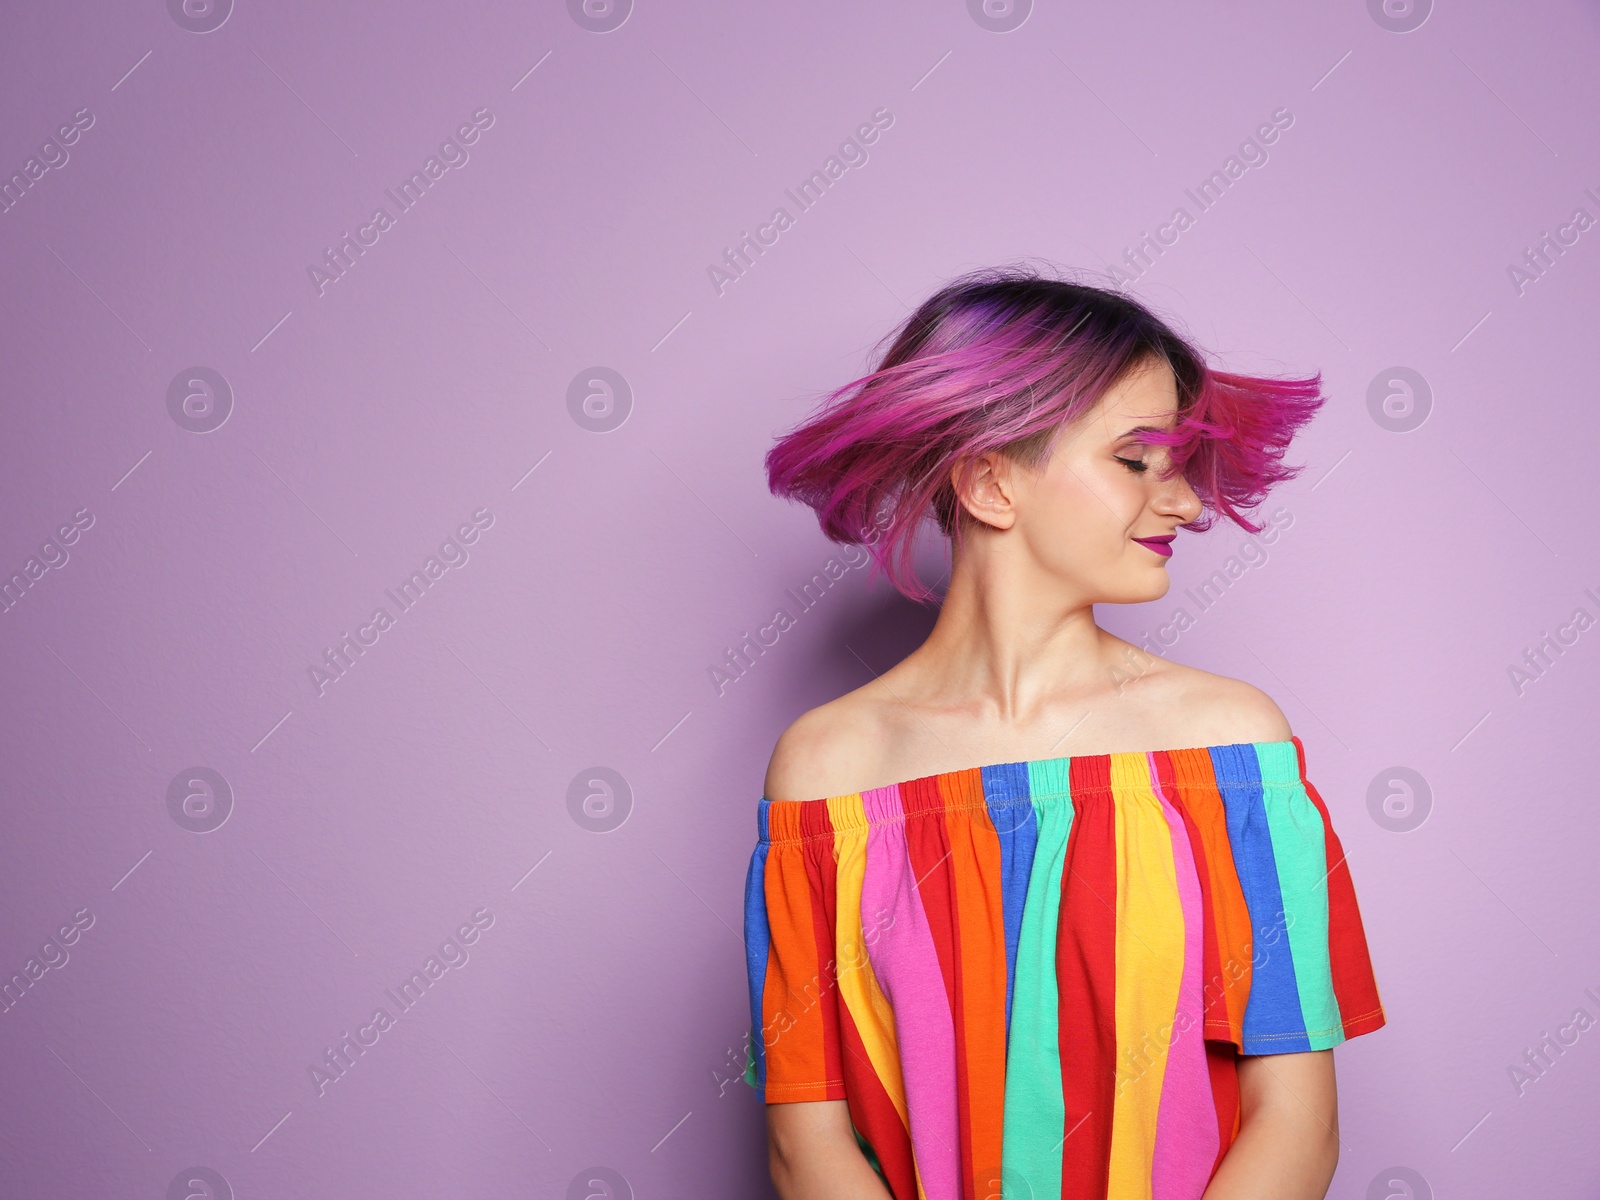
1299, 847
1035, 1115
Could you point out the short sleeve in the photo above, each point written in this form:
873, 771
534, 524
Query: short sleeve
794, 1049
1306, 969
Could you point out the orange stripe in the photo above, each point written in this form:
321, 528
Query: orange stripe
981, 981
1226, 986
1211, 961
795, 995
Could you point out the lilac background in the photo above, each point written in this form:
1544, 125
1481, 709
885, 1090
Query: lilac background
599, 1021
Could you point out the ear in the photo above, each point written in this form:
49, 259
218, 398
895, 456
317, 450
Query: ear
986, 487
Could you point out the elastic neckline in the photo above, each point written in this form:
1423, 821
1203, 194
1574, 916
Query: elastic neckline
1062, 766
1224, 766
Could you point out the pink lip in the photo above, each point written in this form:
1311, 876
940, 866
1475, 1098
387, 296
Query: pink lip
1161, 545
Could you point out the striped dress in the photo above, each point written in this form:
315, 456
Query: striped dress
1032, 980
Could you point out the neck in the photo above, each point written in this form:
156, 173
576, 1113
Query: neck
1009, 638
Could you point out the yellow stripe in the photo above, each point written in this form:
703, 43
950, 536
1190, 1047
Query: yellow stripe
858, 986
1149, 971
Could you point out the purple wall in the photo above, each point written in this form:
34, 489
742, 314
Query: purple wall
258, 444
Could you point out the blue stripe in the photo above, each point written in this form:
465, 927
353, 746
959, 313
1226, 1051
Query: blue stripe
757, 942
1019, 835
1273, 1022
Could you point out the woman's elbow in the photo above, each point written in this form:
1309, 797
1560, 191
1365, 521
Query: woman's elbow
782, 1157
1330, 1151
800, 1136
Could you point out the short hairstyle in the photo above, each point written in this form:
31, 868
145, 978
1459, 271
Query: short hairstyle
1005, 358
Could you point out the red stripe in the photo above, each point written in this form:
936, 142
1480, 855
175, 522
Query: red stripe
1222, 1061
1086, 971
874, 1114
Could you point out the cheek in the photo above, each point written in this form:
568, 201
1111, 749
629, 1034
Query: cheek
1102, 500
1085, 517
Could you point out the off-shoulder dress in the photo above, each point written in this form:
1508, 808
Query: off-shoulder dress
1034, 979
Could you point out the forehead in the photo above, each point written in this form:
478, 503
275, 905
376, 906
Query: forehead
1146, 395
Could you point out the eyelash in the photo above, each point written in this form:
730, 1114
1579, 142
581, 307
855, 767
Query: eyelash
1133, 464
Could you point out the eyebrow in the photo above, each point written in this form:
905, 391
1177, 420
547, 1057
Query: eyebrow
1143, 429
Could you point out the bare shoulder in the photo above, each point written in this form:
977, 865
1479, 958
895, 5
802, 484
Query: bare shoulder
826, 751
1219, 710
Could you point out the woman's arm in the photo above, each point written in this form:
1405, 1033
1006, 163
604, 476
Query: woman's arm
1288, 1143
813, 1154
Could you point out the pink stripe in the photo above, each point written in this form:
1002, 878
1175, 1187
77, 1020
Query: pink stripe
1186, 1127
907, 969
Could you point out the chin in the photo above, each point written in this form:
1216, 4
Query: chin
1152, 586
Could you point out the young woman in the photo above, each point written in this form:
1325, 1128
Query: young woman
1034, 913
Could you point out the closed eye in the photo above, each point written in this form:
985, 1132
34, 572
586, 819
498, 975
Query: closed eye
1133, 464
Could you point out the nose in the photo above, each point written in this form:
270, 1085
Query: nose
1177, 498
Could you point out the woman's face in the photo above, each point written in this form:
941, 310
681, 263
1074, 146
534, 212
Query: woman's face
1081, 511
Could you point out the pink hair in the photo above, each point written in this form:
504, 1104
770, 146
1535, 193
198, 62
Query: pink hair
1004, 359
